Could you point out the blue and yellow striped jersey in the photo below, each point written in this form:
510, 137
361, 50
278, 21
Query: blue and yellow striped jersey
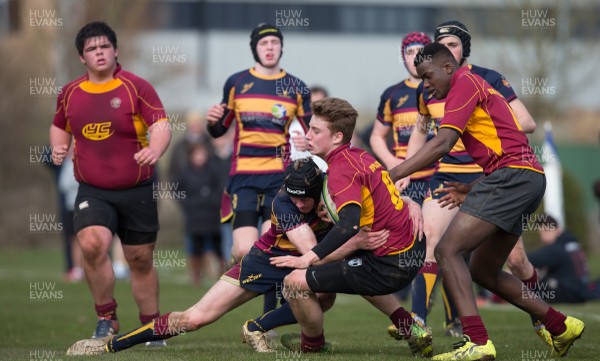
262, 108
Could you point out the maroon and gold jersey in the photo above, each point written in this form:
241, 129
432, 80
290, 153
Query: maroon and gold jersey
354, 176
109, 123
263, 107
488, 127
398, 109
285, 216
458, 159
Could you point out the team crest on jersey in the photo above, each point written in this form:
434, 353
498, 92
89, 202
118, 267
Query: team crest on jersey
506, 83
97, 131
402, 100
115, 102
246, 87
355, 262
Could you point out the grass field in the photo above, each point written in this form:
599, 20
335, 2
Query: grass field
42, 325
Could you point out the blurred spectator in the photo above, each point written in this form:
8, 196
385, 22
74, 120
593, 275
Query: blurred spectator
67, 187
195, 133
202, 185
223, 147
562, 264
318, 92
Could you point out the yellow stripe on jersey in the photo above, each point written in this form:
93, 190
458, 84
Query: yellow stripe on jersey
93, 88
436, 110
259, 164
367, 211
141, 130
262, 138
251, 105
482, 128
459, 168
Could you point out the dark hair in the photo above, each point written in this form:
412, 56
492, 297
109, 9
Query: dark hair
92, 30
340, 115
319, 89
434, 52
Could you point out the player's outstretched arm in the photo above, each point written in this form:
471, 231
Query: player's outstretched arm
441, 144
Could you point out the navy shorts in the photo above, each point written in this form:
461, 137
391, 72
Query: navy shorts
506, 198
251, 192
363, 273
131, 213
417, 190
438, 179
254, 272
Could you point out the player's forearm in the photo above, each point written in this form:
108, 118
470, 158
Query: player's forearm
59, 137
216, 130
431, 151
160, 137
347, 227
416, 141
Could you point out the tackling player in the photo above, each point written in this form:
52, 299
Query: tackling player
365, 196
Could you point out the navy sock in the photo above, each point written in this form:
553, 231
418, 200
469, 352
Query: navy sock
270, 301
279, 317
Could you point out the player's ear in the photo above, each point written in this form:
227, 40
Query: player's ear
82, 59
338, 137
448, 68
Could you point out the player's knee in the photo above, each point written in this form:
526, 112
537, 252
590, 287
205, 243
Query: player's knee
431, 235
293, 282
139, 261
326, 300
516, 260
93, 247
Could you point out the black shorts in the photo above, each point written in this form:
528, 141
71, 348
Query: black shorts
254, 272
506, 198
131, 213
366, 274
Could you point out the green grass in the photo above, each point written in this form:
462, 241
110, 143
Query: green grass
44, 329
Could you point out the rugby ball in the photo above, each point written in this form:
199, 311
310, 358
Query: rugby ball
328, 203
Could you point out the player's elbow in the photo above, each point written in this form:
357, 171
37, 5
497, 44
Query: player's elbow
528, 125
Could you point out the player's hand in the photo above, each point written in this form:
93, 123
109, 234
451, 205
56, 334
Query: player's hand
215, 113
146, 156
59, 153
456, 194
291, 261
365, 239
299, 141
414, 210
402, 183
322, 213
